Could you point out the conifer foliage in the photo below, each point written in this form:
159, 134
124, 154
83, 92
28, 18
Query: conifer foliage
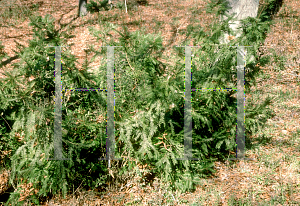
147, 129
27, 104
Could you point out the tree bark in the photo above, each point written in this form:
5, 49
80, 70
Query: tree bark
82, 11
242, 9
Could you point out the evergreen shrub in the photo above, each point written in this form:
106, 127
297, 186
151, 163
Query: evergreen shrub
96, 6
27, 104
148, 129
153, 136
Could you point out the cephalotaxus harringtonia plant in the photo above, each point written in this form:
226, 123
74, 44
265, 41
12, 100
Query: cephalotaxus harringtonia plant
27, 102
153, 134
147, 129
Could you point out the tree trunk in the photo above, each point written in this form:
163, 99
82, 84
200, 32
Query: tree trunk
82, 11
242, 10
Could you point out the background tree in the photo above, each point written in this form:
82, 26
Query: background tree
82, 11
241, 9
